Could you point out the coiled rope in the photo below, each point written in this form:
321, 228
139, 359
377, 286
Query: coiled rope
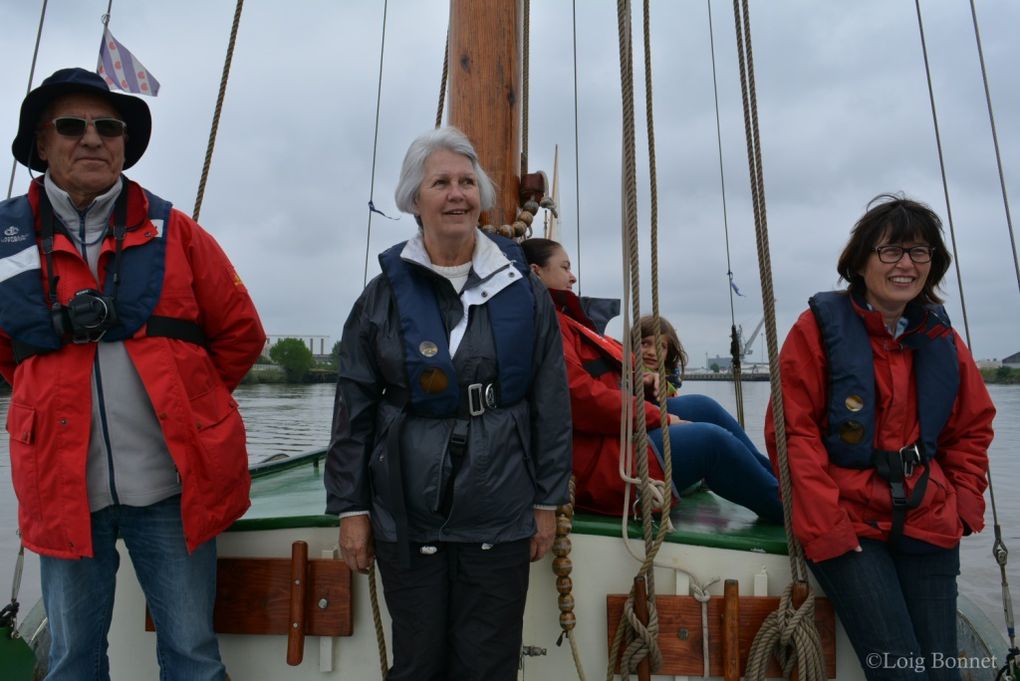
789, 633
219, 108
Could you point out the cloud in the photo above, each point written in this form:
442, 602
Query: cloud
843, 109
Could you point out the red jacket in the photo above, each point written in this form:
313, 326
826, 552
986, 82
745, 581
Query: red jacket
832, 506
189, 387
595, 406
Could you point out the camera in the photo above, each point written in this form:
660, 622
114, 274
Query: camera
87, 316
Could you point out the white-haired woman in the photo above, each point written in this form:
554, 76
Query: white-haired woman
451, 435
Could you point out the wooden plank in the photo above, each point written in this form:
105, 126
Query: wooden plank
253, 597
680, 637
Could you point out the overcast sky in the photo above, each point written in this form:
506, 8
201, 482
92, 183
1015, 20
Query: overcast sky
843, 108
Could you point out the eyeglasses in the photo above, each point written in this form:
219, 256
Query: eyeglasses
891, 254
75, 126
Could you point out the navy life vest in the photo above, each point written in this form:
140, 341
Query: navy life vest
426, 346
24, 313
852, 396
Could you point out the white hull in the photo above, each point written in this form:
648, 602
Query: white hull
602, 566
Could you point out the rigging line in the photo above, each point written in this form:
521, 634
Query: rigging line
942, 169
375, 139
577, 154
31, 75
442, 81
995, 141
219, 108
999, 550
737, 387
525, 54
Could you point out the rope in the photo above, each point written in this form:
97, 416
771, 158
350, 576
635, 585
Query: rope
999, 550
737, 387
375, 143
219, 109
577, 153
442, 80
942, 169
995, 141
31, 75
562, 567
526, 50
639, 641
803, 636
700, 593
789, 633
380, 636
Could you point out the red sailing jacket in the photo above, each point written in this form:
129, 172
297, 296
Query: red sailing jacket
189, 387
595, 404
834, 506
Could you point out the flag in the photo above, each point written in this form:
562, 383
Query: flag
733, 285
120, 69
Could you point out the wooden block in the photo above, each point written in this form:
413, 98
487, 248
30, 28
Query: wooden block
680, 636
253, 597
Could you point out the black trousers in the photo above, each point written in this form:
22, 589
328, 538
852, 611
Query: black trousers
457, 613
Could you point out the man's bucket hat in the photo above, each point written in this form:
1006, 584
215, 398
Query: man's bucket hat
132, 110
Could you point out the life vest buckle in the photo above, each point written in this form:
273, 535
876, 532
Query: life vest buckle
910, 456
479, 397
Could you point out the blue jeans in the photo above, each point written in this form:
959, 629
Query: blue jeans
714, 448
180, 590
899, 609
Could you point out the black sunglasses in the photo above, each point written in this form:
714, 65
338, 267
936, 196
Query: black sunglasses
75, 126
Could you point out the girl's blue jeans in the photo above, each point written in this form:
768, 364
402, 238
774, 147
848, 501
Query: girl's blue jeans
714, 448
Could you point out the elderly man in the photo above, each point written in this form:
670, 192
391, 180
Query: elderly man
123, 331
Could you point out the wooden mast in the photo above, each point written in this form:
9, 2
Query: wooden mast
485, 57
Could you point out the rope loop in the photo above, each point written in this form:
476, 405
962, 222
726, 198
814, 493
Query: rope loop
789, 634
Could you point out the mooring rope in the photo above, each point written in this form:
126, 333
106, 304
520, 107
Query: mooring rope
219, 108
942, 169
31, 76
782, 628
525, 54
995, 142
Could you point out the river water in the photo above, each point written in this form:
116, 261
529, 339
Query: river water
296, 418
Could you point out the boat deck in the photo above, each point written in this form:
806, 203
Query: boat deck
289, 493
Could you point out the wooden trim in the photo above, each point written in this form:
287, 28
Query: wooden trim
253, 597
680, 634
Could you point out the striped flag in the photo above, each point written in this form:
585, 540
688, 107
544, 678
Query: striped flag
120, 69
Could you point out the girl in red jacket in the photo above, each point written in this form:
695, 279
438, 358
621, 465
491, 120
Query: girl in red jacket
723, 457
888, 424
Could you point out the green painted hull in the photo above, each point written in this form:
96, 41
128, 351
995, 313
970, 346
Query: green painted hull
17, 661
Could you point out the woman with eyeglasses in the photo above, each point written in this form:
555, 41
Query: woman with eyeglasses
451, 433
718, 453
888, 424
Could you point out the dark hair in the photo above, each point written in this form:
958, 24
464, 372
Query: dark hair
676, 356
537, 251
896, 219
